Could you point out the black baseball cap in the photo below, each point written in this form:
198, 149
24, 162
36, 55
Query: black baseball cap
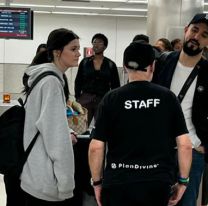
138, 56
199, 18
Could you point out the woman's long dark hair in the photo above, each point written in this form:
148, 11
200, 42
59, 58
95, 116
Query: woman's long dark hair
57, 40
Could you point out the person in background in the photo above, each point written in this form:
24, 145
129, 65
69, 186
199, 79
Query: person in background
48, 174
163, 45
172, 74
141, 37
177, 44
140, 123
96, 75
41, 47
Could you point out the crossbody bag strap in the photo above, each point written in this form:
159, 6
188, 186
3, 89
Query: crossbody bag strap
188, 83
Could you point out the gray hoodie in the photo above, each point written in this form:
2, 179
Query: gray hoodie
48, 173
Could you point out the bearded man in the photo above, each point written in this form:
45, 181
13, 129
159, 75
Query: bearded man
173, 73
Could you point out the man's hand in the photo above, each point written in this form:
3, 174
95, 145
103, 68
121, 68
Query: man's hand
178, 191
97, 190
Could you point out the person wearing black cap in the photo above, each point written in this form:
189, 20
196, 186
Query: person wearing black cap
141, 123
187, 69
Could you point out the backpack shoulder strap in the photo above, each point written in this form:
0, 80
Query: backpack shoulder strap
29, 148
41, 76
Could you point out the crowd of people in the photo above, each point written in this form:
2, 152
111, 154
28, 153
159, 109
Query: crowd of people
149, 143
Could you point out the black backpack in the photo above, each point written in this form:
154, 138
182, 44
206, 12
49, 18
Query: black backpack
12, 154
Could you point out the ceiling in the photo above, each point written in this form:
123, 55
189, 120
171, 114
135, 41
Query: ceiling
127, 8
131, 8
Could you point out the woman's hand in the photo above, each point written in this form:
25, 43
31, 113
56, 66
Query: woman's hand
74, 138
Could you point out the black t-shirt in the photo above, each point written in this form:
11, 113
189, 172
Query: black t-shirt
140, 122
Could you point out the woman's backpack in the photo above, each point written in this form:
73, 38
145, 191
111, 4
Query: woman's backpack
12, 153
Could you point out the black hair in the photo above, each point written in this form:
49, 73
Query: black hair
175, 41
100, 36
141, 37
44, 46
167, 44
57, 40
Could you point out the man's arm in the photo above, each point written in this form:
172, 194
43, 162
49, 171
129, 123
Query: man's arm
184, 161
184, 155
96, 160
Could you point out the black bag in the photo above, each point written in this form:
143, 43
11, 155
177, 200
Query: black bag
12, 154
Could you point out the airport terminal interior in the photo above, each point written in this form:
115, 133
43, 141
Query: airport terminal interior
119, 20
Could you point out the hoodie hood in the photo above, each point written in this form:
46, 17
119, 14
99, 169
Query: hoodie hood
34, 71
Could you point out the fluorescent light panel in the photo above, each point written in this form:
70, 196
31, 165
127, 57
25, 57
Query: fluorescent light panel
80, 7
128, 9
96, 14
33, 5
137, 1
43, 12
74, 13
117, 1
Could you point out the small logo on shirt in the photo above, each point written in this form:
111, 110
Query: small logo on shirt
133, 166
200, 88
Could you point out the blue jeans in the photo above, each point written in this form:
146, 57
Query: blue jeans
191, 194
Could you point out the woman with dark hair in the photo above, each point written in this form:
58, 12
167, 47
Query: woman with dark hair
163, 45
177, 44
40, 58
48, 174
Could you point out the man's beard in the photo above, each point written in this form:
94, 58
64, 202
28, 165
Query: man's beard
189, 49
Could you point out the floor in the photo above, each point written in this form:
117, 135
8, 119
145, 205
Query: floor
88, 199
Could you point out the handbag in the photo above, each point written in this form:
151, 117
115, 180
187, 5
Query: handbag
77, 121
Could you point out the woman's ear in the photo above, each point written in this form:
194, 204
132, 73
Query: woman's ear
57, 53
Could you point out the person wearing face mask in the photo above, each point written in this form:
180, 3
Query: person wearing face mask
95, 77
189, 66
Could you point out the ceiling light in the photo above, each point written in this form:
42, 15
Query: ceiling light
127, 9
123, 15
33, 5
43, 12
80, 7
137, 1
97, 14
73, 13
117, 1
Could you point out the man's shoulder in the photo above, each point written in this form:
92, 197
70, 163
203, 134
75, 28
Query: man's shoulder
165, 56
204, 64
163, 91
